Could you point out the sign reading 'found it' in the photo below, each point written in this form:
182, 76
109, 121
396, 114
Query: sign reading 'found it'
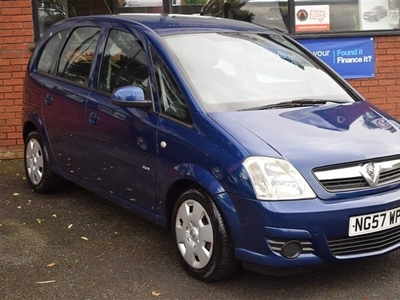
350, 57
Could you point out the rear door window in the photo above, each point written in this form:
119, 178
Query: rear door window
77, 56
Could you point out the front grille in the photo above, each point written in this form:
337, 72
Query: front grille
355, 176
367, 243
390, 176
346, 184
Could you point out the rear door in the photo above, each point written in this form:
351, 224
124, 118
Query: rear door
65, 100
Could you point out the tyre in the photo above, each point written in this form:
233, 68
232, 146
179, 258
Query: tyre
205, 247
37, 166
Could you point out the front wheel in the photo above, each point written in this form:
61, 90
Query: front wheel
37, 166
204, 243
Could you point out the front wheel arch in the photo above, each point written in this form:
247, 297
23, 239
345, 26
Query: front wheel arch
203, 239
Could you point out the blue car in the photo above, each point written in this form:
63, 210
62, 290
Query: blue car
233, 136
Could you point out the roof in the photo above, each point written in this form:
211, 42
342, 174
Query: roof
174, 23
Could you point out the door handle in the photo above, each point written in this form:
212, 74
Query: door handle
94, 118
48, 100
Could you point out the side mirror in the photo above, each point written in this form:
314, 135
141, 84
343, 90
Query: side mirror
130, 96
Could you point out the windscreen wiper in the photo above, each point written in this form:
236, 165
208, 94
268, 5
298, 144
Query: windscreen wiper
296, 103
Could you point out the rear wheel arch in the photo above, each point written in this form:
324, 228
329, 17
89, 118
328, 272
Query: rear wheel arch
37, 164
28, 128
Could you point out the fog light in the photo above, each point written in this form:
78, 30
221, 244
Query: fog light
291, 249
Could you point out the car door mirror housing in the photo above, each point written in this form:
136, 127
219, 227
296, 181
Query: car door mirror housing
130, 96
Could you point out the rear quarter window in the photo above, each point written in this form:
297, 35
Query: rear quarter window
49, 53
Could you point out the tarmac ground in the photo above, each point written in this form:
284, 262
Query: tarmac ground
75, 245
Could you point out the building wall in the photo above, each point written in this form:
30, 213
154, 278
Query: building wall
16, 38
384, 89
16, 41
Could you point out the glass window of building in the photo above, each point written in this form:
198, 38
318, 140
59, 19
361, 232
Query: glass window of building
269, 13
49, 12
138, 6
345, 15
296, 17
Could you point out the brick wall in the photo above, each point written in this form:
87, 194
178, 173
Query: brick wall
16, 37
384, 89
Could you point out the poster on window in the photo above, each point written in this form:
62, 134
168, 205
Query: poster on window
138, 3
374, 15
312, 18
350, 57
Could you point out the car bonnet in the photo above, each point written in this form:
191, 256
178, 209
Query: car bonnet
315, 136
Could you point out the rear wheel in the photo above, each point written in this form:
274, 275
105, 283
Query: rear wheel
205, 246
37, 166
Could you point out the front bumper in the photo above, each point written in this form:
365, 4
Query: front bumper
318, 229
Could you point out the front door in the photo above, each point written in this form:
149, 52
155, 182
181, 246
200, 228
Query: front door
120, 140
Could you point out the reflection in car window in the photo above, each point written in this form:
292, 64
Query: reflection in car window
48, 55
124, 63
173, 102
77, 56
49, 12
270, 13
232, 71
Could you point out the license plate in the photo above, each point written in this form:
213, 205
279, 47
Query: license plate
374, 222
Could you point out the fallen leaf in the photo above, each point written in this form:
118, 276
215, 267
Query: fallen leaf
43, 282
156, 294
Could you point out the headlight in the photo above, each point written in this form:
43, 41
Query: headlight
276, 179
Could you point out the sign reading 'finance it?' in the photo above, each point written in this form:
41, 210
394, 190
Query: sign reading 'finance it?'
350, 57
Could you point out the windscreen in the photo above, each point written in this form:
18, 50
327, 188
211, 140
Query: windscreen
233, 71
